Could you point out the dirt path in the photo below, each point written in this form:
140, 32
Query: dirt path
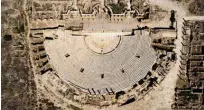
29, 46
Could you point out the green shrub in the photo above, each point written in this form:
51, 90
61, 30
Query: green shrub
197, 7
19, 29
7, 37
117, 8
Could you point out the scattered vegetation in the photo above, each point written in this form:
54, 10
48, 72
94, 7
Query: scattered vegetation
74, 107
182, 83
18, 86
7, 37
47, 105
197, 7
137, 4
117, 8
19, 29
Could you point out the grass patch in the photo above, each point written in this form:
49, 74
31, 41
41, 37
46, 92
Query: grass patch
117, 8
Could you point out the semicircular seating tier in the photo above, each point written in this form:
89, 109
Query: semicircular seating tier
121, 69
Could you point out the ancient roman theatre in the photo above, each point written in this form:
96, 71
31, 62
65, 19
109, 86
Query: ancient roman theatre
101, 53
